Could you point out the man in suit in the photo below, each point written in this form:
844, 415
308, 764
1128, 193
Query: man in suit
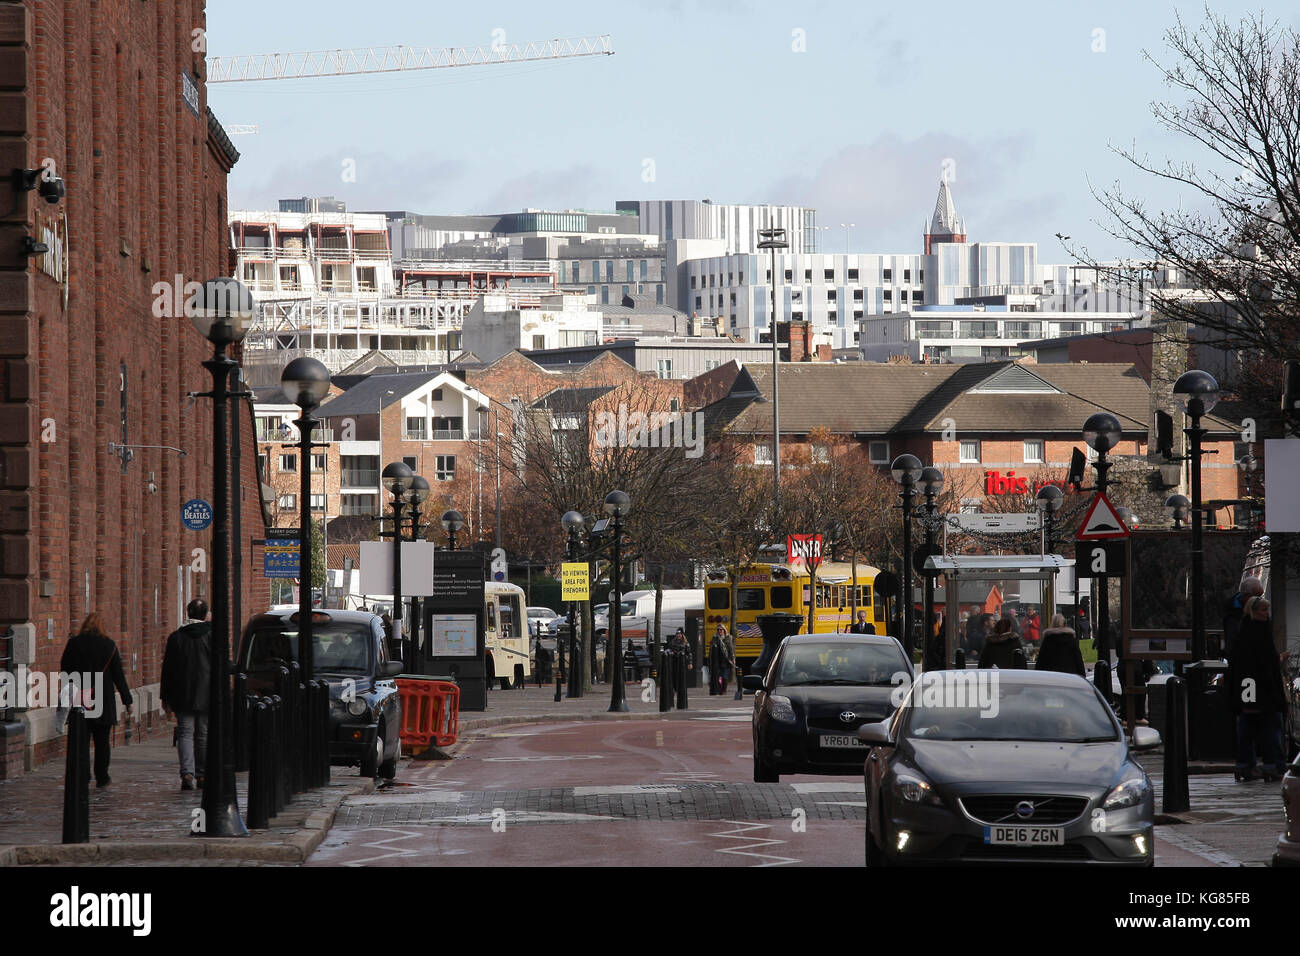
862, 625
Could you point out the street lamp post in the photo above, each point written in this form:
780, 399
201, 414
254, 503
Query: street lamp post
452, 521
1048, 501
617, 505
1179, 509
935, 653
397, 479
305, 381
573, 523
906, 470
774, 239
416, 493
222, 311
846, 226
1102, 433
1196, 393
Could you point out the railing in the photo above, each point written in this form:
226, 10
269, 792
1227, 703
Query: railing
359, 478
474, 265
448, 434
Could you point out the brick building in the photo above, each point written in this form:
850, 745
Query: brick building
109, 98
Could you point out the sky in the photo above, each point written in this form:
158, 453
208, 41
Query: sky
854, 108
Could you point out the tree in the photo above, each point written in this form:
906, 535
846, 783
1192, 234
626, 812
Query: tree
1238, 243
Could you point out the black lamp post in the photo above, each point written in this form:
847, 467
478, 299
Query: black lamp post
906, 470
1179, 509
1048, 501
1102, 433
935, 651
305, 381
774, 239
452, 521
573, 523
416, 493
222, 311
617, 505
397, 479
1196, 393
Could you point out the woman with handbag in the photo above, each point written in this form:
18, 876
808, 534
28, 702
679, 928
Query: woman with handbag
92, 656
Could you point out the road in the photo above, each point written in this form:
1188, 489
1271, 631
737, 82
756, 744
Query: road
618, 793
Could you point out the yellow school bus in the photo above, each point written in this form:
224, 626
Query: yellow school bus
766, 588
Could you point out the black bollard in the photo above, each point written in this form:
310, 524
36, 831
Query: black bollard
239, 722
959, 660
279, 766
665, 688
681, 679
1101, 679
1176, 797
258, 816
323, 717
76, 780
321, 700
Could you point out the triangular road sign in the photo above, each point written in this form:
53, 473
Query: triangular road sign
1101, 521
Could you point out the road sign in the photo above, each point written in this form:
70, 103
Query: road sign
196, 514
1093, 559
574, 585
1101, 521
280, 558
995, 523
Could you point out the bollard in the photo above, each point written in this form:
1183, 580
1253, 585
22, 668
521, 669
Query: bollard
959, 660
740, 684
76, 780
1176, 797
681, 679
314, 702
1101, 679
323, 715
239, 722
259, 816
279, 768
665, 688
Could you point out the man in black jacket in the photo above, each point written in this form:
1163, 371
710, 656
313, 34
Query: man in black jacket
186, 672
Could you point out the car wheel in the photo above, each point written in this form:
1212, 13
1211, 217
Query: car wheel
388, 768
763, 771
370, 762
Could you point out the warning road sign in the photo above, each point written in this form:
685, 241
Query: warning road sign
1101, 521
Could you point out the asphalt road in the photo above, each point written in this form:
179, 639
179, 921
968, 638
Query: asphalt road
625, 793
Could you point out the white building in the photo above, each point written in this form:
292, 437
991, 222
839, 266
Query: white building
493, 327
734, 225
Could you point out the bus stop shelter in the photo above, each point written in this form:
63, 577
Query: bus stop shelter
1014, 579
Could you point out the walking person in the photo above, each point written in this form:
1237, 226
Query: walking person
1002, 648
184, 691
722, 658
1060, 649
92, 653
1234, 610
1258, 693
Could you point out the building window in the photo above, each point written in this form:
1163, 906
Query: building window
659, 295
625, 292
317, 462
630, 267
789, 275
832, 316
807, 275
288, 502
591, 290
889, 275
595, 271
857, 295
902, 296
853, 275
916, 297
920, 275
1034, 450
436, 395
889, 295
445, 468
762, 454
878, 452
969, 451
664, 368
692, 282
644, 270
857, 313
288, 462
907, 275
830, 295
697, 303
317, 502
410, 463
609, 270
604, 295
416, 429
829, 274
576, 277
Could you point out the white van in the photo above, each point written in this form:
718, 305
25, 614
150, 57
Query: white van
639, 612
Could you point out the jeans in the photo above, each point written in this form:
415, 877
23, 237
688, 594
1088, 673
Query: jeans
192, 741
1264, 730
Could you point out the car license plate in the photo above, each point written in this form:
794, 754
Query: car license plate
842, 741
1024, 836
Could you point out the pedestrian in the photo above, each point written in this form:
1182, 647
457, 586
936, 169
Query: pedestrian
978, 626
678, 644
1002, 648
722, 658
1009, 615
1234, 610
184, 691
1060, 649
862, 625
1082, 626
93, 653
1033, 626
1258, 693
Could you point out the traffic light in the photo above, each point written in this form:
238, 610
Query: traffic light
1078, 463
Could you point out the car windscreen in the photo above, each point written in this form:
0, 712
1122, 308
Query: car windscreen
983, 708
337, 648
841, 662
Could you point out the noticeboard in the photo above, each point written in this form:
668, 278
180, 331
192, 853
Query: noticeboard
454, 635
574, 584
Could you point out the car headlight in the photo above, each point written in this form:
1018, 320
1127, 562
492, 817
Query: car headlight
1129, 792
358, 708
914, 789
780, 708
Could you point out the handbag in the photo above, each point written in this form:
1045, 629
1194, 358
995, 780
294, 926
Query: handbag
84, 697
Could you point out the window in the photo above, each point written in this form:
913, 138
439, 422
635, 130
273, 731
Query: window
857, 313
644, 269
830, 295
1034, 450
604, 295
889, 275
664, 368
416, 429
853, 275
719, 599
576, 277
623, 292
907, 275
595, 271
807, 275
446, 468
902, 296
630, 268
889, 295
969, 451
832, 316
857, 295
782, 597
750, 599
829, 275
410, 463
288, 502
436, 395
916, 296
317, 502
609, 270
733, 298
288, 462
697, 302
920, 275
878, 452
692, 282
659, 295
789, 275
762, 454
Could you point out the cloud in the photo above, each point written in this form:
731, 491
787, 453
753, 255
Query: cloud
887, 188
579, 186
364, 180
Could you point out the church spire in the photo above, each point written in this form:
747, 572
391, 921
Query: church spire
944, 224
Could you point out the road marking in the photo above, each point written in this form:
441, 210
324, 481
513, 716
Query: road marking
659, 738
549, 757
616, 789
390, 851
744, 850
1193, 845
689, 776
524, 816
853, 786
392, 798
736, 719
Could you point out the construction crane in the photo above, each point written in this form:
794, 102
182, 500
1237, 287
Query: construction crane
394, 59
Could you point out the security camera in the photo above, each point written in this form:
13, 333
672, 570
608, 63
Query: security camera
52, 190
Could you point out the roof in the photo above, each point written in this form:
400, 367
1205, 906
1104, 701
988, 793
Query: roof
371, 394
571, 399
944, 221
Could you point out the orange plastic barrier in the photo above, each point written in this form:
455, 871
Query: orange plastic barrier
430, 713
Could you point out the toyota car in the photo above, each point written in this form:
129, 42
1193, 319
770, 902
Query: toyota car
819, 689
1009, 766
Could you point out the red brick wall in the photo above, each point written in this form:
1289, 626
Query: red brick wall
94, 90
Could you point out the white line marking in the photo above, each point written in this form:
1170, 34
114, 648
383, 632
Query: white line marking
625, 788
744, 850
852, 786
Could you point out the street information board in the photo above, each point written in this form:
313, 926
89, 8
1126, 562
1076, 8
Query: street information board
455, 635
280, 558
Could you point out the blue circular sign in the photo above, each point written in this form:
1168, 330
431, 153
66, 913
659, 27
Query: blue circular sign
196, 514
498, 575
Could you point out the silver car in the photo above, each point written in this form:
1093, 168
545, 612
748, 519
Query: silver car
987, 766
